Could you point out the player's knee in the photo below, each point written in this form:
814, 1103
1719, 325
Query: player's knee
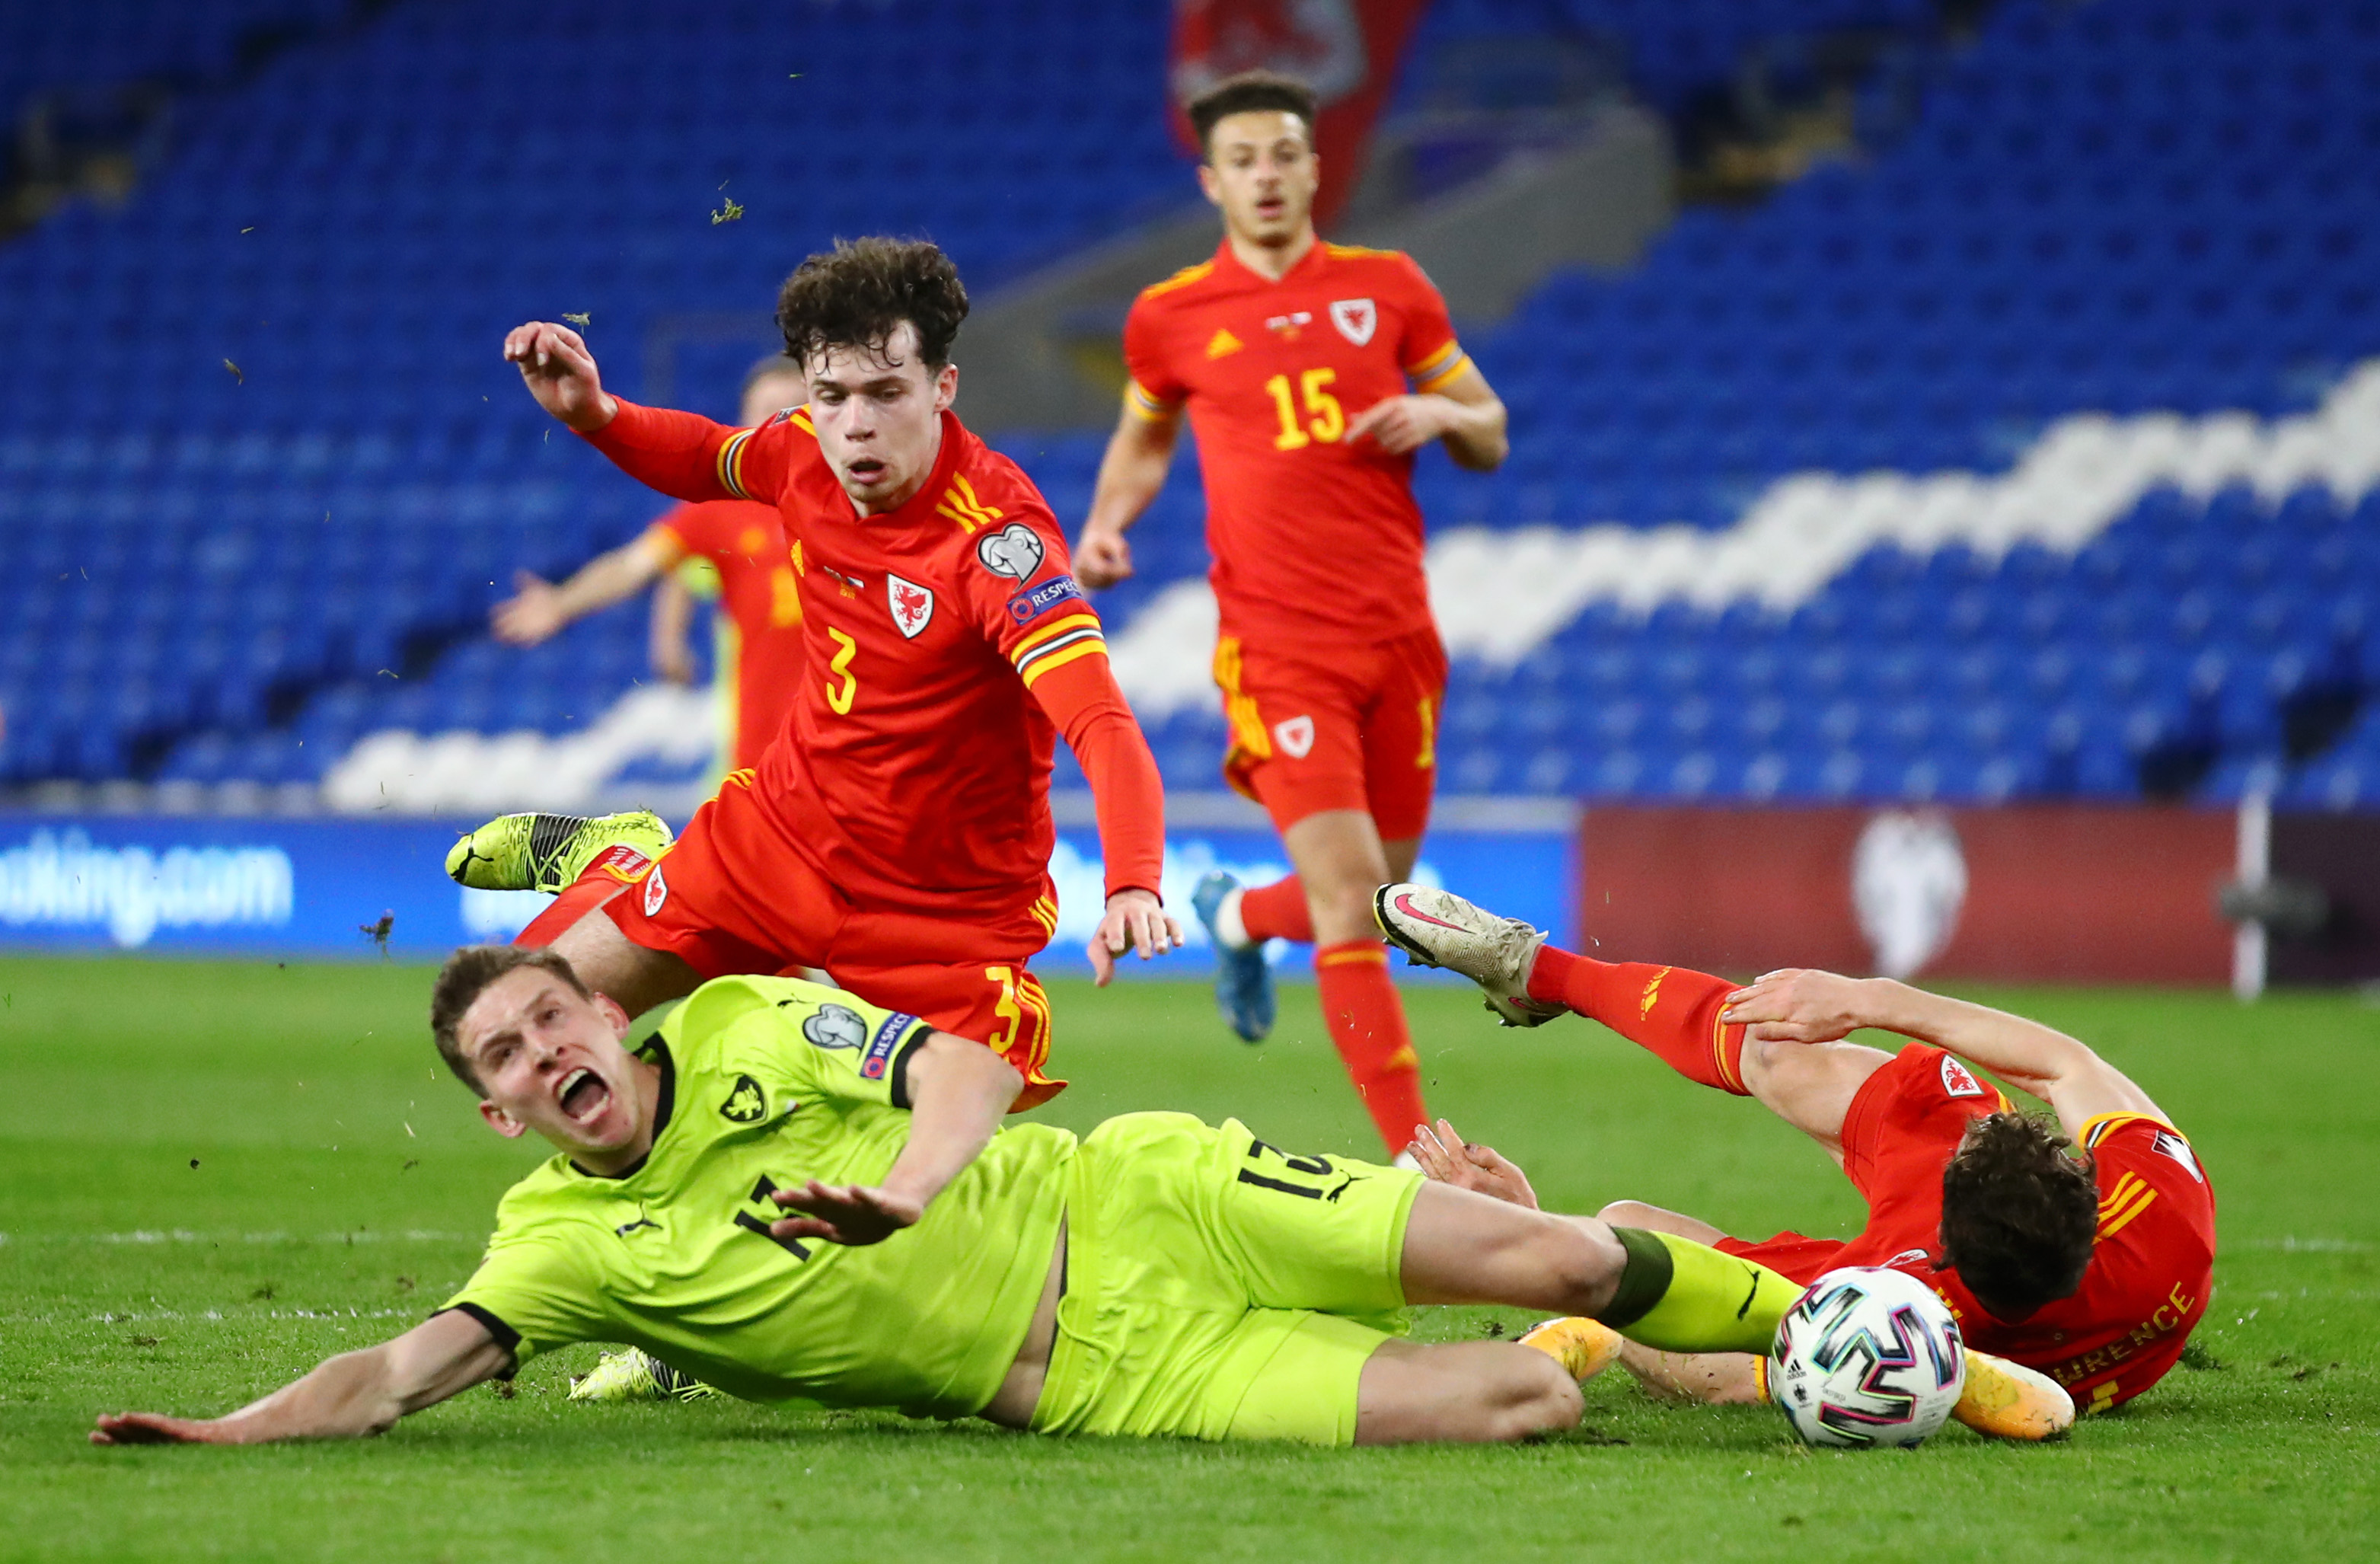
1541, 1398
1341, 908
1583, 1265
1630, 1214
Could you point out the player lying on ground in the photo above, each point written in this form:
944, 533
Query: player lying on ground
897, 833
2091, 1271
1312, 374
793, 1194
758, 595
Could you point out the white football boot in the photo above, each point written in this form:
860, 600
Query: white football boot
1440, 929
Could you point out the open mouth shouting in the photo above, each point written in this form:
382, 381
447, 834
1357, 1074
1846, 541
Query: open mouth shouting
867, 471
583, 1096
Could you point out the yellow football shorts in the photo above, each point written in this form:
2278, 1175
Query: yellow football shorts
1219, 1288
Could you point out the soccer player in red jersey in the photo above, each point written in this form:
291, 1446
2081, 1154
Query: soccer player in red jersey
2091, 1269
1311, 374
898, 833
745, 540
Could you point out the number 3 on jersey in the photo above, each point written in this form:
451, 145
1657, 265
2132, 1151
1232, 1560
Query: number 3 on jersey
1325, 419
841, 684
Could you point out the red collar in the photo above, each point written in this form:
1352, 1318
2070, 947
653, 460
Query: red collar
1228, 263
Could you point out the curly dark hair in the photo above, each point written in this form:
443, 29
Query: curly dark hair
2019, 1214
1251, 92
467, 975
857, 293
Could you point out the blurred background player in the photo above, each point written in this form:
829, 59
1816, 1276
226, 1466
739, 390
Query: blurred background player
2091, 1268
1292, 358
899, 835
761, 608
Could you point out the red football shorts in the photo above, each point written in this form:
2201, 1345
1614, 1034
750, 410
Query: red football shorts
733, 895
1897, 1135
1348, 728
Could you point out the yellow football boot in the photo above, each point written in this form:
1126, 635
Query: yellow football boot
1583, 1347
548, 853
633, 1376
2009, 1401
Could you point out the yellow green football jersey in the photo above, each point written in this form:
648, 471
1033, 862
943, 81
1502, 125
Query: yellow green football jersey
767, 1082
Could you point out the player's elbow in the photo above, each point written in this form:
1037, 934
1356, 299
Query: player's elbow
1483, 443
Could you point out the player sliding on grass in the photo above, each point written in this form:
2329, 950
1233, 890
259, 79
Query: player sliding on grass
793, 1194
2091, 1271
898, 833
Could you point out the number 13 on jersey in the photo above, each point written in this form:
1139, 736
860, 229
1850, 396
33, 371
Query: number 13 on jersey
1324, 419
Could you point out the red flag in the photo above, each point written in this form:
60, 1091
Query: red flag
1346, 50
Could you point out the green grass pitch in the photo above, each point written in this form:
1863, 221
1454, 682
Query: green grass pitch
213, 1175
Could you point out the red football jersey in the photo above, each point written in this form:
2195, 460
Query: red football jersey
2150, 1270
761, 597
916, 768
1316, 539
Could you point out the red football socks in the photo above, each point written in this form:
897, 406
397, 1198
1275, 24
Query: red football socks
1277, 912
596, 884
1667, 1009
1368, 1027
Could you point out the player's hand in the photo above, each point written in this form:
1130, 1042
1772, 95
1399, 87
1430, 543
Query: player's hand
532, 614
1405, 423
853, 1215
157, 1428
560, 372
1447, 1159
1798, 1005
1136, 920
1102, 557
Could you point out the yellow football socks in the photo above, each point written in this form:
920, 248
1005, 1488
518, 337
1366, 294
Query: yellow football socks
1686, 1297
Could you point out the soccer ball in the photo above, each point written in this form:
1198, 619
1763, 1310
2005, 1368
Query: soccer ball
1866, 1356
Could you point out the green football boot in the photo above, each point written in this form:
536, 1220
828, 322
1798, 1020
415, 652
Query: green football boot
548, 853
633, 1376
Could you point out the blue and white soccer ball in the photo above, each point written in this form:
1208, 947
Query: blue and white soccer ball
1866, 1356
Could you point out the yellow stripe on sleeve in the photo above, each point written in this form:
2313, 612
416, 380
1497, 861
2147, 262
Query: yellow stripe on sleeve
731, 463
1426, 379
2101, 1126
1148, 408
1054, 629
1035, 668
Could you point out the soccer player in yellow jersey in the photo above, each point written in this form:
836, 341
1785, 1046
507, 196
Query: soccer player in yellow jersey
790, 1194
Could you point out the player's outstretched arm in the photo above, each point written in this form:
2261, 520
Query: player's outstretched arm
1818, 1007
685, 456
560, 372
349, 1397
1131, 473
959, 1091
539, 609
